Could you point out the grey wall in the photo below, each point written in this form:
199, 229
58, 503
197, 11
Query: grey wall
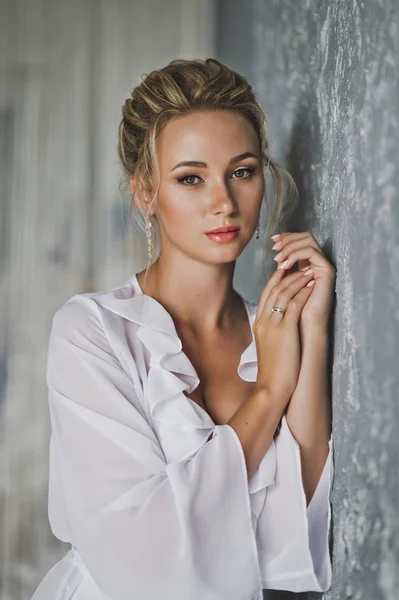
327, 75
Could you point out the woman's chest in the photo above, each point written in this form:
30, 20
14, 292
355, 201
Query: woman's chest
222, 398
221, 391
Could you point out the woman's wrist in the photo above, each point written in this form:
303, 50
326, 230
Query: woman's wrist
314, 331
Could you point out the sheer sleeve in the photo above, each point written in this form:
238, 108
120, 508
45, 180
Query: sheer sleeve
143, 527
292, 538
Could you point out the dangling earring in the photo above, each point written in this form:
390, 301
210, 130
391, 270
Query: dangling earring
148, 229
258, 230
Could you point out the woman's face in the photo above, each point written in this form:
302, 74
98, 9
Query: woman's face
221, 190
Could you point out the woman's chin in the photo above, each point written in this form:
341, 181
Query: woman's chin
223, 255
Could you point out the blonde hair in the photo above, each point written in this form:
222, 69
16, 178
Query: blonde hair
184, 86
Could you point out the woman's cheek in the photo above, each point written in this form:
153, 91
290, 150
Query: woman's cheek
181, 219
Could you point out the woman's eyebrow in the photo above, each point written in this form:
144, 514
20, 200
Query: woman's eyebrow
197, 163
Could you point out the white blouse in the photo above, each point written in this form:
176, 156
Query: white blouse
153, 505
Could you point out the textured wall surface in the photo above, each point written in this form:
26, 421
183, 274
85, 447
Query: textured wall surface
327, 75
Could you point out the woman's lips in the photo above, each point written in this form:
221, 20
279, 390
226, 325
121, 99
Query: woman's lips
226, 236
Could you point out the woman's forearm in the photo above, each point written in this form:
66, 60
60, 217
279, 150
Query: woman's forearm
309, 410
255, 423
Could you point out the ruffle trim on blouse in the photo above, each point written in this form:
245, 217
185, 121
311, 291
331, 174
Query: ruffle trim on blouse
182, 426
248, 367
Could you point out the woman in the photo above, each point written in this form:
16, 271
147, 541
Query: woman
191, 451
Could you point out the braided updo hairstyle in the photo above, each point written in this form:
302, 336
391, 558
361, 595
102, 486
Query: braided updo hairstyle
183, 86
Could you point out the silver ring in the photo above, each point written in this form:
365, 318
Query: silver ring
277, 309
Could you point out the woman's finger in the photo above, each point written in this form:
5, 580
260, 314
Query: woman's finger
309, 253
277, 276
289, 235
296, 245
279, 284
296, 305
281, 296
286, 238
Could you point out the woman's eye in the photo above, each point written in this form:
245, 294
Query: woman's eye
186, 177
241, 169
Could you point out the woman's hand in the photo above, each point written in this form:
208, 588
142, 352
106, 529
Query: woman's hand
277, 334
302, 247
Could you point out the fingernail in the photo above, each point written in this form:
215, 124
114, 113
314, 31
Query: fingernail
283, 265
275, 236
310, 283
276, 246
278, 256
309, 272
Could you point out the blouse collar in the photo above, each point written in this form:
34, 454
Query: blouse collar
130, 302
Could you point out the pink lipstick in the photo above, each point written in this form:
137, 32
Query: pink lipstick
223, 234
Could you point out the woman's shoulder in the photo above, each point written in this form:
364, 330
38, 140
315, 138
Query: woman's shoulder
83, 310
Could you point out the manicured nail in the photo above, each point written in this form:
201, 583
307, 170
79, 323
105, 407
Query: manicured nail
278, 256
283, 264
309, 272
276, 246
310, 283
275, 236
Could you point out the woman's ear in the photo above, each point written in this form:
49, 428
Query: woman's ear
139, 197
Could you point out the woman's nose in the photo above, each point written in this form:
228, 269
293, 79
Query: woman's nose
222, 199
